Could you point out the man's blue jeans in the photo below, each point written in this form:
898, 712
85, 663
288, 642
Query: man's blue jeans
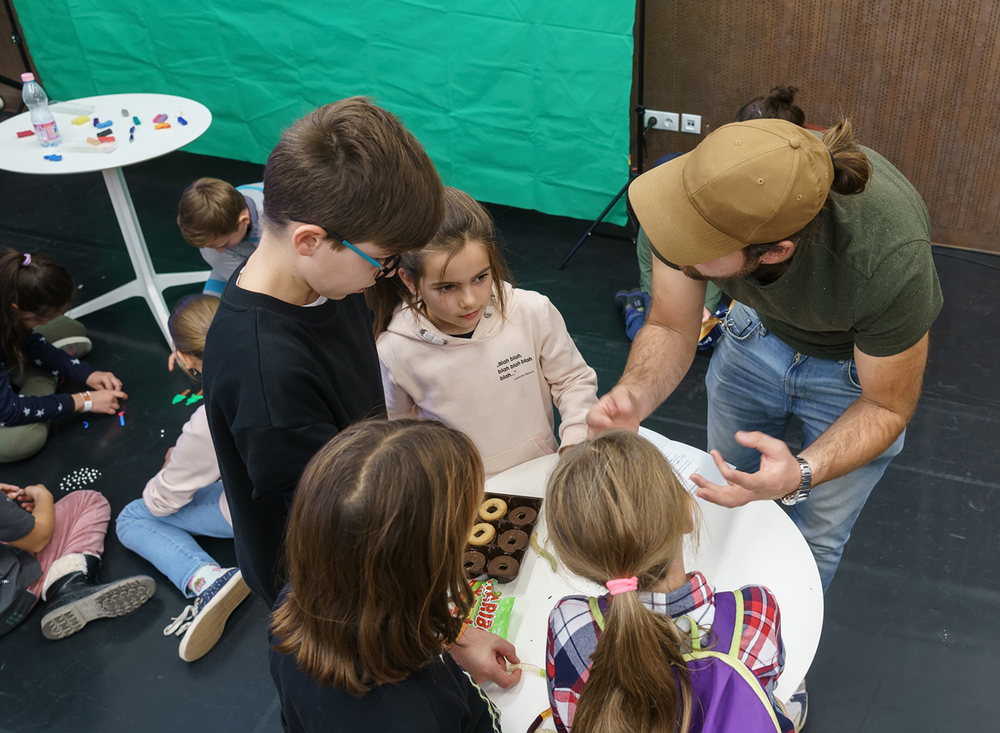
167, 542
757, 382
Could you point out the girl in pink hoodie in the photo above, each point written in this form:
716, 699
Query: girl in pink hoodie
186, 499
458, 343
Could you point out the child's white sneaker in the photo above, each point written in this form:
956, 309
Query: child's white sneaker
75, 346
202, 622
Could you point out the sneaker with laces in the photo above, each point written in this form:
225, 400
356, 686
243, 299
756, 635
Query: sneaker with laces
634, 299
202, 622
798, 706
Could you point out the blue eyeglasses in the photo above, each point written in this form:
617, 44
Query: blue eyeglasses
386, 268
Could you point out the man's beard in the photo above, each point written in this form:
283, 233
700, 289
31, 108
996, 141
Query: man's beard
748, 268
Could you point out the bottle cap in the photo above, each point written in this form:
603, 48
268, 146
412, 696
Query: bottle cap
27, 77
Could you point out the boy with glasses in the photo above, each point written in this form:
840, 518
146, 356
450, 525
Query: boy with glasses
290, 360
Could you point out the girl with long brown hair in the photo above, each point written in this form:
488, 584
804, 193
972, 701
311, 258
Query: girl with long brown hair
35, 291
453, 333
186, 499
617, 515
377, 592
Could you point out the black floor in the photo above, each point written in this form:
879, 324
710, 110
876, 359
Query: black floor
912, 618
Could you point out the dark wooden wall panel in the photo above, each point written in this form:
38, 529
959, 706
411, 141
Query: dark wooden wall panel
918, 77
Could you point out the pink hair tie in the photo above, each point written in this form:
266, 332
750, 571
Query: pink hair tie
27, 260
622, 585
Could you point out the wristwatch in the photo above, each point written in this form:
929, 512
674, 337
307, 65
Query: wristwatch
805, 486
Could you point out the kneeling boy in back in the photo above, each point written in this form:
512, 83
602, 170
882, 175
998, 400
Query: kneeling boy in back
224, 223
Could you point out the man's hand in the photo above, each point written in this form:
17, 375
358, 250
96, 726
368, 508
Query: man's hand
104, 380
484, 656
779, 474
617, 409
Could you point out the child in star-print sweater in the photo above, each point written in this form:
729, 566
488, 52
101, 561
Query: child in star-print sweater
36, 291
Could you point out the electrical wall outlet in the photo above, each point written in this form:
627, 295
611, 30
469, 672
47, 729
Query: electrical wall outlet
691, 123
663, 120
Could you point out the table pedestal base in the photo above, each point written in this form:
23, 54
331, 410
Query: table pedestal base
148, 283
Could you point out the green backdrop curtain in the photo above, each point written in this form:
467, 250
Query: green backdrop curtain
519, 102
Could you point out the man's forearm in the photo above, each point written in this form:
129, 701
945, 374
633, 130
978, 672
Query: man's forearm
862, 433
658, 361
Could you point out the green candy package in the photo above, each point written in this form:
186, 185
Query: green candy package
489, 611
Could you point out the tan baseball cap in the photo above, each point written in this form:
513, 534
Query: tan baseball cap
746, 183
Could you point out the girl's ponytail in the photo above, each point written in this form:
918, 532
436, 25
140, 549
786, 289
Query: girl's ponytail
631, 687
384, 297
616, 509
29, 284
851, 168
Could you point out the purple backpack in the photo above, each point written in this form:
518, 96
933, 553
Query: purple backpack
726, 696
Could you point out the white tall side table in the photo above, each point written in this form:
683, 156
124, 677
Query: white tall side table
25, 155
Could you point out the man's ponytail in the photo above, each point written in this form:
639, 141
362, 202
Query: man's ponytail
851, 168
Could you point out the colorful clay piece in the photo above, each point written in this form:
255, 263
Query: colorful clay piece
93, 141
105, 133
160, 118
124, 113
182, 120
181, 397
161, 125
136, 120
26, 133
102, 125
194, 398
54, 158
81, 120
108, 139
96, 121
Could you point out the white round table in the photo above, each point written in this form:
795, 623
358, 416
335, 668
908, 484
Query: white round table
26, 155
755, 544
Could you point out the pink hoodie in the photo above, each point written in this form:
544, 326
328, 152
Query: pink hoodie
496, 387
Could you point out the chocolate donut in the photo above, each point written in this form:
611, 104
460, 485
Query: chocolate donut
522, 515
492, 509
482, 534
503, 567
513, 540
474, 562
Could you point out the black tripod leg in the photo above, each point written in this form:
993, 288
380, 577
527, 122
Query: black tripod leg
594, 226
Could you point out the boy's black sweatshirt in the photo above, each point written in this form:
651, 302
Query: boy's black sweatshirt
280, 381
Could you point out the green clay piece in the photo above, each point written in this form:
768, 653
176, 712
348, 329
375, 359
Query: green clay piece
194, 398
178, 398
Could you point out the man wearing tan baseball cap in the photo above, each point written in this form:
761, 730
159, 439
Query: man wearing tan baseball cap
825, 248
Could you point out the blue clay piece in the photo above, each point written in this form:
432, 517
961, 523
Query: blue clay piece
102, 125
182, 120
54, 158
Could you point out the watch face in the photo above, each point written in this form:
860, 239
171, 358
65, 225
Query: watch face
796, 497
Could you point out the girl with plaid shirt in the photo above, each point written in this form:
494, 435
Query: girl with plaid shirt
617, 515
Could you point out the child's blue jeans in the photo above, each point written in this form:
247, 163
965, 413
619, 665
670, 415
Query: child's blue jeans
167, 542
757, 382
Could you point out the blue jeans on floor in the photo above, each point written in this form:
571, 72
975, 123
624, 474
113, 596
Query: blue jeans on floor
757, 382
167, 542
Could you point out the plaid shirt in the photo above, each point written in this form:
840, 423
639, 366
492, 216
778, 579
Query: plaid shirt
573, 635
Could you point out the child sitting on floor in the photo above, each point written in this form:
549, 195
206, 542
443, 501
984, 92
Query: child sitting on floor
458, 343
52, 550
37, 291
224, 223
377, 593
617, 516
186, 498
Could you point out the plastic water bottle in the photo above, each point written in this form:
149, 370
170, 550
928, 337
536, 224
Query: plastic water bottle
41, 117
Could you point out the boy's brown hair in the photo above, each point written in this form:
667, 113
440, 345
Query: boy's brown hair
209, 209
352, 168
374, 548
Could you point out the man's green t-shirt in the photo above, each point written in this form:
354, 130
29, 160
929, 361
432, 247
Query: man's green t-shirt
865, 277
